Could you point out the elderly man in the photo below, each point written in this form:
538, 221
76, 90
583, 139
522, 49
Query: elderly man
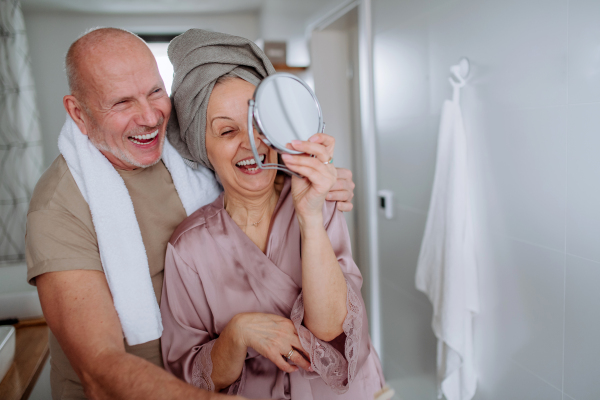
119, 101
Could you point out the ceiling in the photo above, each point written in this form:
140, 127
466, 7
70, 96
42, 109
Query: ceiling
143, 6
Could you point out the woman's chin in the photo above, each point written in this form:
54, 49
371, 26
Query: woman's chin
255, 179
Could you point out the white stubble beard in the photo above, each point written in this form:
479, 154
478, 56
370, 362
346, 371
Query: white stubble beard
118, 152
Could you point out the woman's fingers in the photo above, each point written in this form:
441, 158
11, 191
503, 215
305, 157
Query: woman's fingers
270, 332
282, 363
319, 180
298, 346
300, 361
300, 358
295, 163
321, 138
321, 152
311, 162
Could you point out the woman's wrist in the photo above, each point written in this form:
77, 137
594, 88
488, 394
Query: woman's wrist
310, 222
235, 331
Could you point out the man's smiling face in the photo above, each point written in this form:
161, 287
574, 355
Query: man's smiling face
125, 105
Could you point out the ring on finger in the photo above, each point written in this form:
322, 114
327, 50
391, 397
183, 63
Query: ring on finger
289, 355
329, 162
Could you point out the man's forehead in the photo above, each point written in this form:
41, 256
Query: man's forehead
118, 72
115, 65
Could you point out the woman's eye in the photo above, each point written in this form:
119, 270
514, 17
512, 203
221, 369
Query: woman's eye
226, 132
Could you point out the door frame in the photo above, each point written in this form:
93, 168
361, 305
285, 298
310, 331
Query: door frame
367, 178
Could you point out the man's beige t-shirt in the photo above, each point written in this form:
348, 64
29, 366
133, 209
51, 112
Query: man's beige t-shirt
61, 237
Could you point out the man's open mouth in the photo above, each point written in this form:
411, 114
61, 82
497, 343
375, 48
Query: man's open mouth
144, 139
249, 164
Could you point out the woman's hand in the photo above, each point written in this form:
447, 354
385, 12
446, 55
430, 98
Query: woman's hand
309, 193
273, 337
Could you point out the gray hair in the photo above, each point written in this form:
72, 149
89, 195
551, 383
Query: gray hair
91, 37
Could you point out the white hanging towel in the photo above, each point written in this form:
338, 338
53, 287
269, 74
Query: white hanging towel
120, 242
446, 271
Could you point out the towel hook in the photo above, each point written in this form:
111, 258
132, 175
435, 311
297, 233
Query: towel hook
459, 74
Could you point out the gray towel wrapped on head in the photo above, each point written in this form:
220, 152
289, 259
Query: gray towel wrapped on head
199, 58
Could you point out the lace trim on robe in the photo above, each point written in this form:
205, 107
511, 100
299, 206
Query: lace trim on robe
202, 372
337, 370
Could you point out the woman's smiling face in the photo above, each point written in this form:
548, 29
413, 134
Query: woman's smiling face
227, 141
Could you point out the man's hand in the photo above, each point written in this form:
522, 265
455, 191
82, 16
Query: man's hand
80, 312
343, 190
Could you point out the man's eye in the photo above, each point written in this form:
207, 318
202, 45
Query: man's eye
157, 90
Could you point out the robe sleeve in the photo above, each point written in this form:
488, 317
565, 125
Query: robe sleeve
338, 362
186, 340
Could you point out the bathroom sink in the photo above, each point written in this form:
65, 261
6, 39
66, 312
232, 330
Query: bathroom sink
20, 305
7, 349
18, 299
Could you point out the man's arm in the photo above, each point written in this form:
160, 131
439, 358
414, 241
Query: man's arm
79, 310
343, 190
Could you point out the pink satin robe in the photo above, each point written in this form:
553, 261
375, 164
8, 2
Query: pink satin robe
213, 271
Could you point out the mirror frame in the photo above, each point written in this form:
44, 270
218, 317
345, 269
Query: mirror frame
254, 120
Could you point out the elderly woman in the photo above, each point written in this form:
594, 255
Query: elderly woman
261, 296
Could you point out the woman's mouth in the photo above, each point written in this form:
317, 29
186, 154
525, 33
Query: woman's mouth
144, 139
248, 165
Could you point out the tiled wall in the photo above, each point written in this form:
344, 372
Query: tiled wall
532, 114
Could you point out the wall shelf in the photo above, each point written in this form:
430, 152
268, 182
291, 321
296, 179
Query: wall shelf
287, 68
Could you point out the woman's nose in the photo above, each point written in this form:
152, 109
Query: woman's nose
246, 139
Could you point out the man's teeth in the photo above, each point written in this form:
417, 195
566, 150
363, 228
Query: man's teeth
147, 136
250, 161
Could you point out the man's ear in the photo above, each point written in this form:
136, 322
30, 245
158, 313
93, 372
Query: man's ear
75, 110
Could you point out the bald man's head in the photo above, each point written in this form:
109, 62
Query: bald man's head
118, 98
93, 45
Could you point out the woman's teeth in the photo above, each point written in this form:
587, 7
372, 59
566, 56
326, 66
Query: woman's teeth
250, 161
144, 139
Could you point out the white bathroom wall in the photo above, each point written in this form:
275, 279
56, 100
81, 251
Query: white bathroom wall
50, 34
331, 63
288, 20
532, 113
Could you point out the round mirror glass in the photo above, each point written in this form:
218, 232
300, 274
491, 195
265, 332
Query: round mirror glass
286, 110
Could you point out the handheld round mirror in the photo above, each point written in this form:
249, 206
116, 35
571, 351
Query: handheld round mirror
283, 108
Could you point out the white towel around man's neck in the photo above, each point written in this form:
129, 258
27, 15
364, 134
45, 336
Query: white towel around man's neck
122, 250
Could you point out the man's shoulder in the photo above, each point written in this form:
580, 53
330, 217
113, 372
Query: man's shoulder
56, 189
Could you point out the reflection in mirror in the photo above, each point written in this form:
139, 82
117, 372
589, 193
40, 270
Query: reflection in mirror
287, 111
283, 109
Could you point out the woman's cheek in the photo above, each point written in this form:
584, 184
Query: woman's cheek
273, 156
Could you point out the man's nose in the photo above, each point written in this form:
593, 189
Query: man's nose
148, 115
